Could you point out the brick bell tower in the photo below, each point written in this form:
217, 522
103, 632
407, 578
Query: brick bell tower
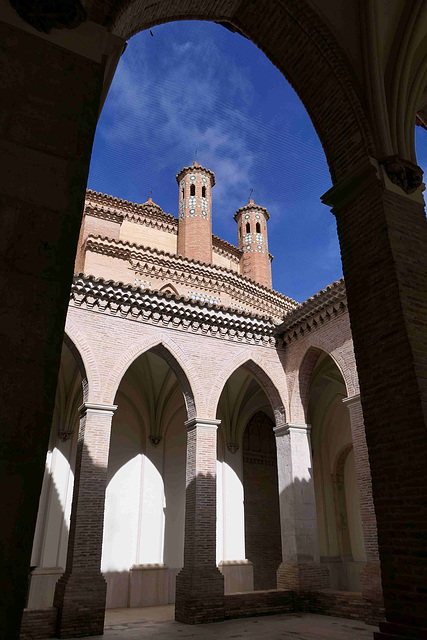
252, 240
195, 212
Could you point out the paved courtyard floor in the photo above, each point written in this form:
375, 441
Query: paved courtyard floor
158, 623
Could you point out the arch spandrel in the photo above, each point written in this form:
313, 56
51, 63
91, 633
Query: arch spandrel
181, 365
303, 368
322, 77
86, 361
269, 382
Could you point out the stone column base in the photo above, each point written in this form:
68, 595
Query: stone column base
80, 599
199, 595
392, 631
303, 576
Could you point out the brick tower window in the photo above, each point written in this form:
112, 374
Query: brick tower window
203, 192
183, 194
258, 227
248, 227
192, 190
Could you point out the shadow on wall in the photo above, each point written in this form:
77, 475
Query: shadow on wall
52, 528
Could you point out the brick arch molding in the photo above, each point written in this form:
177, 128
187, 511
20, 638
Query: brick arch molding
267, 381
299, 44
167, 349
86, 362
300, 391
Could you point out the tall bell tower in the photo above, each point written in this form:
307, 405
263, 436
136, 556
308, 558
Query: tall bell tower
195, 212
252, 240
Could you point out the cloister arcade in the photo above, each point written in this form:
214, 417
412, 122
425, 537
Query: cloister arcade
265, 514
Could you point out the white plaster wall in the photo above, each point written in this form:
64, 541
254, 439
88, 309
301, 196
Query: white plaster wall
122, 502
220, 489
150, 540
234, 512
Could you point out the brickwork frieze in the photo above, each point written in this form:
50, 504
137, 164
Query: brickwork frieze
312, 314
151, 262
168, 310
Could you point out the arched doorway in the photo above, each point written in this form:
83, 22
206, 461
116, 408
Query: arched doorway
248, 531
145, 498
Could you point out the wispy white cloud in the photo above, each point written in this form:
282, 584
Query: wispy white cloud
194, 104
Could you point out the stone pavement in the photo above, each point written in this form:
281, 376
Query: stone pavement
158, 623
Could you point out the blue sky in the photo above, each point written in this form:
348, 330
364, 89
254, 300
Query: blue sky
195, 85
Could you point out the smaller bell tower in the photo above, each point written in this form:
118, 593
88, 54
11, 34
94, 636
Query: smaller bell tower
195, 212
252, 240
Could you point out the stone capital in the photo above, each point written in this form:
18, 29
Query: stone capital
351, 400
393, 173
92, 407
289, 427
202, 423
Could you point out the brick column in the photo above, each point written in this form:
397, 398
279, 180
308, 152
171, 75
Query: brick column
80, 593
200, 585
383, 239
370, 578
300, 568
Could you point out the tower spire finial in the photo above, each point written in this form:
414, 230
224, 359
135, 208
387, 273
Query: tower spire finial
195, 157
250, 193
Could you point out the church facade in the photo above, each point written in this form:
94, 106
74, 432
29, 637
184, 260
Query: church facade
208, 446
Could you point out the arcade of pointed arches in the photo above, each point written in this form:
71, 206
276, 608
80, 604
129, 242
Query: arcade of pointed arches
157, 387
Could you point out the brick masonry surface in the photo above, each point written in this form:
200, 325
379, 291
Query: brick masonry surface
38, 623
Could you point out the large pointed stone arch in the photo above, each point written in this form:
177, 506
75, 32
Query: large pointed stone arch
321, 76
180, 364
268, 382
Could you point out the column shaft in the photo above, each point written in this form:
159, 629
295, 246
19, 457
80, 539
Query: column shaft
300, 568
80, 593
383, 239
370, 578
199, 585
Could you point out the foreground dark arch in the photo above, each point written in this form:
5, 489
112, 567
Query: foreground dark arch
282, 31
381, 226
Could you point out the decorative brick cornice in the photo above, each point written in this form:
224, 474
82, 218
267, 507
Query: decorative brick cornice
99, 212
194, 168
251, 206
148, 214
157, 263
226, 249
314, 312
168, 310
